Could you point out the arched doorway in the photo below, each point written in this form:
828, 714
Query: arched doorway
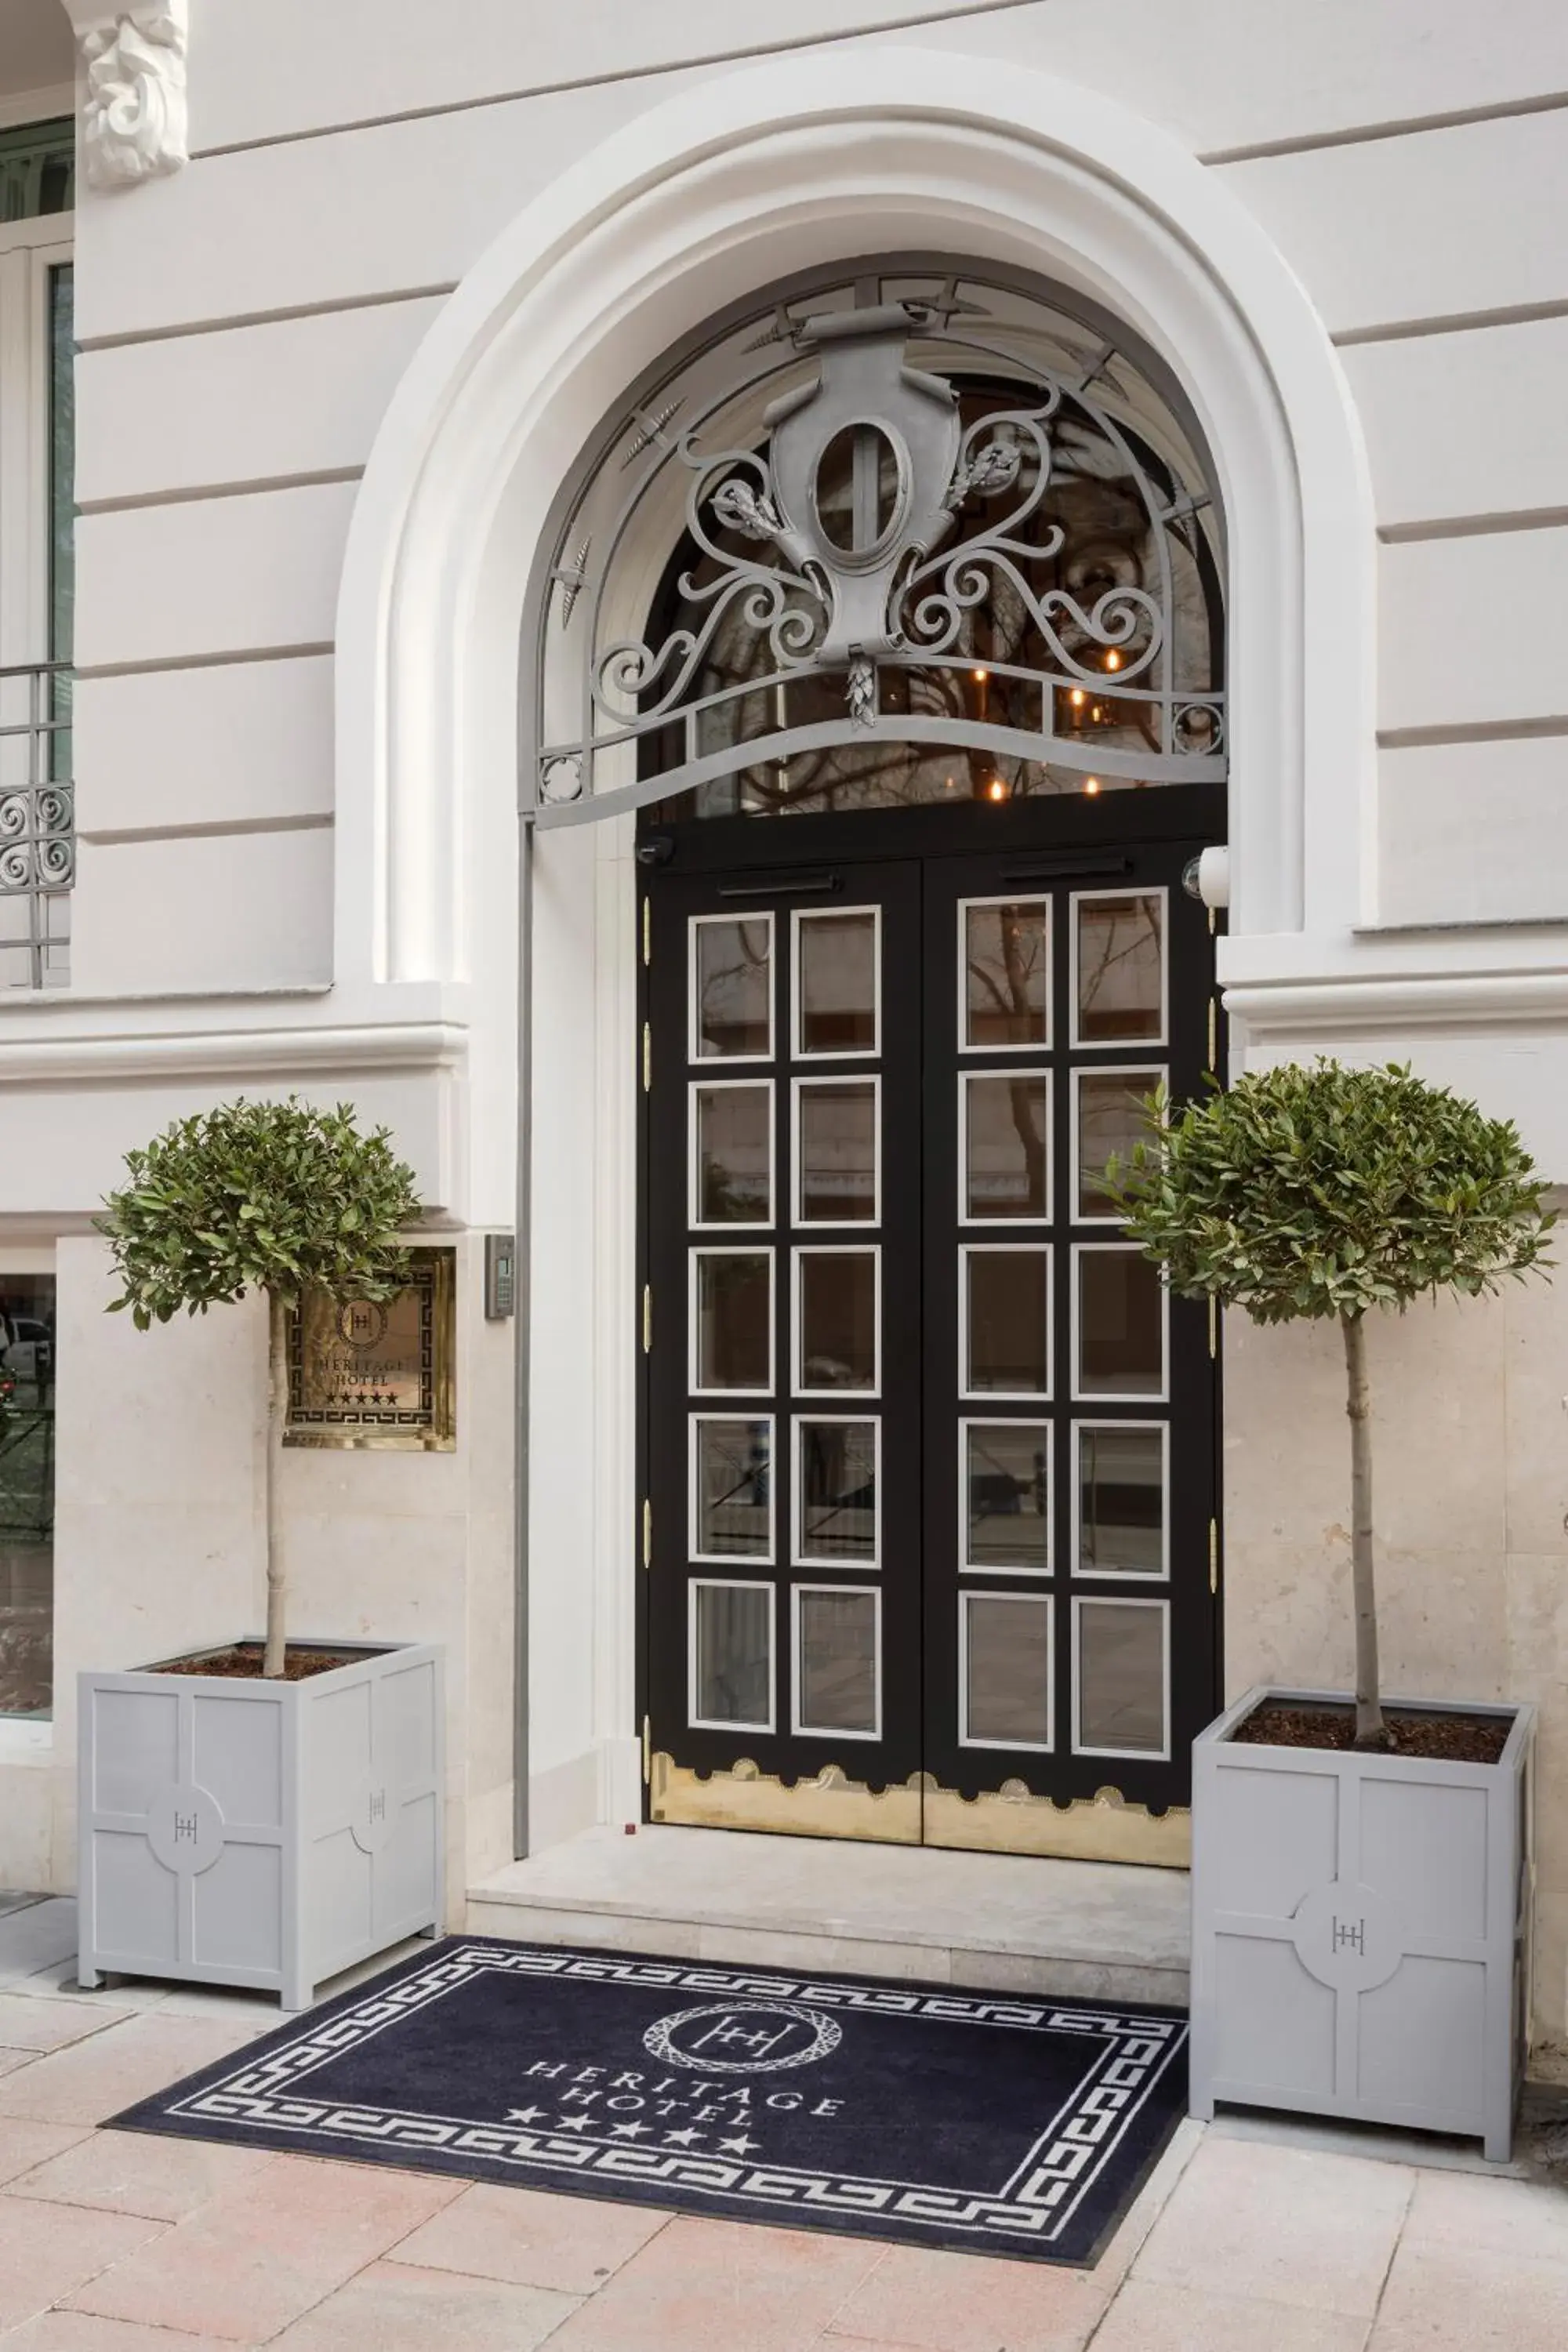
923, 558
726, 188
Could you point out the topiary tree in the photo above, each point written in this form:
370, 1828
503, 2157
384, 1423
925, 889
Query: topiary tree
1327, 1192
270, 1196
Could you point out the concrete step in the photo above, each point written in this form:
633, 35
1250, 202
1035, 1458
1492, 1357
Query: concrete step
998, 1922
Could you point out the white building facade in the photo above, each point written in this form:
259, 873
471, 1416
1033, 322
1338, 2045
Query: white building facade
377, 326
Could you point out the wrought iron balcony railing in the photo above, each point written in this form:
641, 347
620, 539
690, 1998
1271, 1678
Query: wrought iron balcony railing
38, 837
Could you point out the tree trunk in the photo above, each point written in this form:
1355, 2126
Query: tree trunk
276, 1406
1370, 1728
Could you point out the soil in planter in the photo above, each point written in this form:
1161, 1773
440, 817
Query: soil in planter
1451, 1738
243, 1661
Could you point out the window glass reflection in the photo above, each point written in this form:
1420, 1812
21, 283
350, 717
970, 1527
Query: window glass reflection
837, 1662
1121, 967
1122, 1676
836, 1305
836, 1150
836, 1002
1121, 1324
1113, 1119
732, 982
733, 1146
1007, 1495
1007, 974
1006, 1670
732, 1463
733, 1313
836, 1508
1121, 1499
1007, 1323
1006, 1145
27, 1494
733, 1654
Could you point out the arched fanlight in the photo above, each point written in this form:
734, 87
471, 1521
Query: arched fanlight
894, 535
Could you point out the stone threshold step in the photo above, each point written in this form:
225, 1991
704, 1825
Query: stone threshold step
996, 1923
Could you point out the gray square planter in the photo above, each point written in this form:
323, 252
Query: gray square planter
1360, 1929
252, 1833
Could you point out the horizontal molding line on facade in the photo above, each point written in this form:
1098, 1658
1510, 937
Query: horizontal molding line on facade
279, 316
1482, 526
219, 829
261, 485
155, 665
1363, 134
1479, 730
756, 49
1318, 1008
1451, 322
232, 1052
1455, 322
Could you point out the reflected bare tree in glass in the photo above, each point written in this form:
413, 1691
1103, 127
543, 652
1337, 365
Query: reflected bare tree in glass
734, 962
1119, 978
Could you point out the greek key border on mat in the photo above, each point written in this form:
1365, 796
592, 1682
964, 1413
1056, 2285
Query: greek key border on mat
1037, 2202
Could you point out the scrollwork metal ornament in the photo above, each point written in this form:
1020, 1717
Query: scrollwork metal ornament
874, 516
37, 847
561, 779
133, 106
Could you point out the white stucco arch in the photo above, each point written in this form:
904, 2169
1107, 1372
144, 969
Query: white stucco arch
743, 179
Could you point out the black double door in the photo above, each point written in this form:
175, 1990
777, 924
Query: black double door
929, 1454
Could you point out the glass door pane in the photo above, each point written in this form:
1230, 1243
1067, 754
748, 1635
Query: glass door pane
1069, 1415
782, 1354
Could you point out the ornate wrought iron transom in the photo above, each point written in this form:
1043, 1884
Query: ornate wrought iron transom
944, 515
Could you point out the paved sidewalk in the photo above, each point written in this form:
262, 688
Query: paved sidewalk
1247, 2239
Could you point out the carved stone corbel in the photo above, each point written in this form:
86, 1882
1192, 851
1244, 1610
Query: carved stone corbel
132, 89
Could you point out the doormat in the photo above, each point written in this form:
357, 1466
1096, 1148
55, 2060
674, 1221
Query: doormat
849, 2104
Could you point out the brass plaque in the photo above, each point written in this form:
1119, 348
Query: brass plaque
376, 1374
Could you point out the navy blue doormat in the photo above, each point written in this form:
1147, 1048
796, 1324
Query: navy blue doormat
879, 2109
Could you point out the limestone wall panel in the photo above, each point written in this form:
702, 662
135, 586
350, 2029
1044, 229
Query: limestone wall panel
1222, 72
398, 208
1469, 630
1473, 833
213, 913
1428, 226
211, 578
296, 396
1464, 425
226, 744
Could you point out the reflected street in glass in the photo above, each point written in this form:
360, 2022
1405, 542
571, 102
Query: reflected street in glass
1007, 1495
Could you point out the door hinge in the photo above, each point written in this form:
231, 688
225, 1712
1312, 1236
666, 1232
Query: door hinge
1214, 1034
646, 1534
647, 1057
1213, 1556
646, 1753
648, 931
1214, 1325
647, 1318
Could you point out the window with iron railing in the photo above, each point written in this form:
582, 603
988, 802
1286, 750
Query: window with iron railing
37, 847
